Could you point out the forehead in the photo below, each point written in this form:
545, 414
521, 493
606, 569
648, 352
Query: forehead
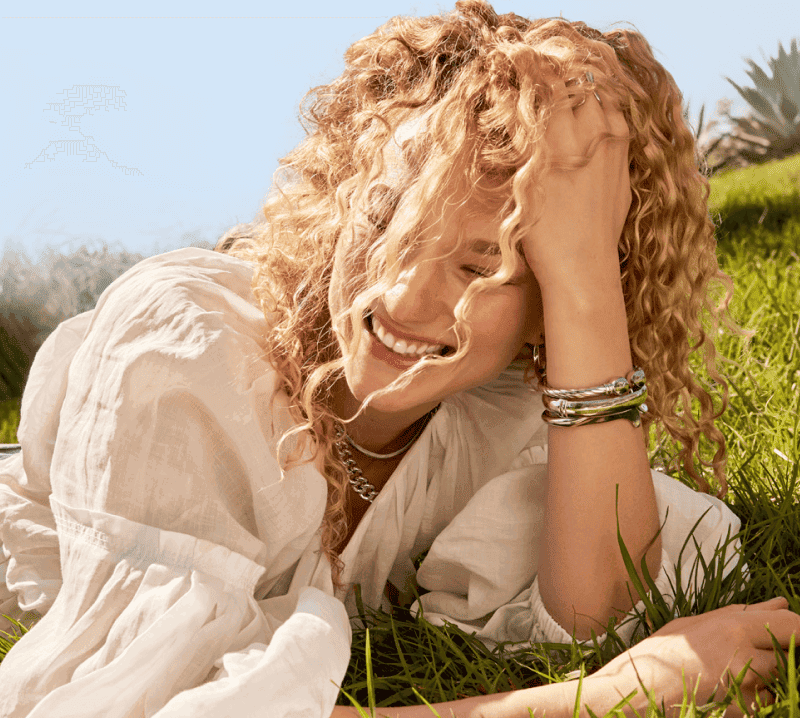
402, 152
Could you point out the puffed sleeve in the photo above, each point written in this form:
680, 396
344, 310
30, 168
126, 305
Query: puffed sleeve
482, 569
30, 572
161, 469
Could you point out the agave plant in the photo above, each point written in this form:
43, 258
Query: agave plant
772, 129
707, 138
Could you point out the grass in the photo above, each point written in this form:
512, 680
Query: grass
9, 421
398, 659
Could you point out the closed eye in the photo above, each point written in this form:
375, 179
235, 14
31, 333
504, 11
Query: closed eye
478, 271
484, 272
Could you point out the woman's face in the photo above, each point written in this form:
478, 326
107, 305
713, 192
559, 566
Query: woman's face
417, 314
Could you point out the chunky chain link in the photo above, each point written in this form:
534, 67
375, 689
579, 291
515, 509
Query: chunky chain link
360, 485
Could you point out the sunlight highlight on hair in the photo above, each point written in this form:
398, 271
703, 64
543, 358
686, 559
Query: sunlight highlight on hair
484, 84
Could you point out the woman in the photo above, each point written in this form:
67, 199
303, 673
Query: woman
215, 454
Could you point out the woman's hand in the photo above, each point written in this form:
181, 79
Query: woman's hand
712, 646
584, 209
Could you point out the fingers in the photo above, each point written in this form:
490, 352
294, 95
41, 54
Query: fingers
561, 133
615, 119
774, 600
574, 123
783, 624
770, 604
617, 124
582, 111
777, 600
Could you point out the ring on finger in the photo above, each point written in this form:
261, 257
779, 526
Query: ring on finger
590, 78
583, 99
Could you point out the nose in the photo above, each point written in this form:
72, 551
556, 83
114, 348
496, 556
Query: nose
420, 296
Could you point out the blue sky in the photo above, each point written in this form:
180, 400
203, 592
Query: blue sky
185, 108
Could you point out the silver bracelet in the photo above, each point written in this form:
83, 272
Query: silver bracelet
617, 387
563, 408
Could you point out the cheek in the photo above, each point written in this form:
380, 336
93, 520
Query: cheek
502, 322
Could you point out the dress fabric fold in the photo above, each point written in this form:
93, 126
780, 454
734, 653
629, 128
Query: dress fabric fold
177, 573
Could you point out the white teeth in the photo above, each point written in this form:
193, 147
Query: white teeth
400, 346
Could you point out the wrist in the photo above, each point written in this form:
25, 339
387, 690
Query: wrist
602, 693
586, 334
590, 273
585, 292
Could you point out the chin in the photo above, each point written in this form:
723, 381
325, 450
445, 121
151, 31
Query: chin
396, 401
362, 389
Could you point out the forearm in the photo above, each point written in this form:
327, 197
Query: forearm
555, 700
581, 566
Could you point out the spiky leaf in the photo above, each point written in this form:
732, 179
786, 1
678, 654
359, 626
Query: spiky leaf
772, 130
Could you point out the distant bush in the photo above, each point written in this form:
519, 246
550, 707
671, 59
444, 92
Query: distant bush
36, 298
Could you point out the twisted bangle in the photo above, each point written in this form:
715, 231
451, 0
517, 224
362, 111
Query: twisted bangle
617, 387
563, 408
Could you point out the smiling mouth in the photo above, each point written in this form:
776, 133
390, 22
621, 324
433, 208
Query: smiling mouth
402, 347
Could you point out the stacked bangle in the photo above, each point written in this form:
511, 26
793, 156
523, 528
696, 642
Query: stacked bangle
622, 398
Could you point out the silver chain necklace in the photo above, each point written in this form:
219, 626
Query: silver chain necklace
360, 485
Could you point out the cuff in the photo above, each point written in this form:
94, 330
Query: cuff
552, 632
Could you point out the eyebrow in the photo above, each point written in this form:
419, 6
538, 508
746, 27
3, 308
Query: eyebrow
492, 249
412, 155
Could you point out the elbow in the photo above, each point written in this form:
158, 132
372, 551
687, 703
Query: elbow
586, 602
577, 618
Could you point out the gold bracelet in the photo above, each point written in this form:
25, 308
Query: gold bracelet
632, 414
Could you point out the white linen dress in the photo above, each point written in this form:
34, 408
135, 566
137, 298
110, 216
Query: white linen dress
175, 573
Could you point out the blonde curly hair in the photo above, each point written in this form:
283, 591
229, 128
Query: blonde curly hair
482, 82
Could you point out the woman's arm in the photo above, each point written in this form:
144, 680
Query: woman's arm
555, 700
702, 652
572, 251
581, 568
